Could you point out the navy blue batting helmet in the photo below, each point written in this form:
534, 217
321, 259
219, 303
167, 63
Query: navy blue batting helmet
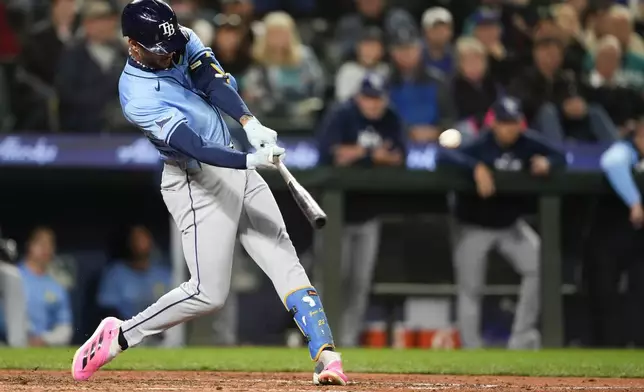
153, 24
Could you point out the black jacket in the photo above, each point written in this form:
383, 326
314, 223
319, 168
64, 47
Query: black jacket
87, 94
534, 90
498, 211
474, 101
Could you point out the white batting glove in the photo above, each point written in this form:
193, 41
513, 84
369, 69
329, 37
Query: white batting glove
258, 135
265, 158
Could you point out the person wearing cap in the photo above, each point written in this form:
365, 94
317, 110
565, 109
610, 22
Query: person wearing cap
419, 93
488, 30
486, 221
88, 73
553, 100
369, 58
439, 30
365, 132
377, 13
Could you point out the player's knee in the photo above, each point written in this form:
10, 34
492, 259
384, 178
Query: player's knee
207, 300
212, 301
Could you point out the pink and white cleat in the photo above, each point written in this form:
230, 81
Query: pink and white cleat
331, 373
98, 350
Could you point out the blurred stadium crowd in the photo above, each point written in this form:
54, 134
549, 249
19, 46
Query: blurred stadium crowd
575, 66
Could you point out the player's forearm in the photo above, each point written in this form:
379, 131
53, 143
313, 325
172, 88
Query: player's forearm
60, 335
188, 142
210, 78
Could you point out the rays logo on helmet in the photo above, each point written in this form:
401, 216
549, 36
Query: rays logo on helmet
168, 29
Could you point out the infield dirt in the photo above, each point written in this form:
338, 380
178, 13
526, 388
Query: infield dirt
206, 381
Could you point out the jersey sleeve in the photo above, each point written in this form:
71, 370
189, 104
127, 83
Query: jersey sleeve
155, 119
194, 48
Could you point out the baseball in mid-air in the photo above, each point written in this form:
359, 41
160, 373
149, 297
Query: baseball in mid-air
450, 138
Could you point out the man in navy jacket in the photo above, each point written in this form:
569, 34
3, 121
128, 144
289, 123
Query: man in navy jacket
364, 131
486, 221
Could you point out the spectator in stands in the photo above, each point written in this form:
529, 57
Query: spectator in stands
632, 63
420, 95
580, 6
553, 102
439, 31
606, 86
391, 20
88, 73
367, 132
48, 306
622, 25
287, 81
571, 34
615, 247
230, 47
488, 30
244, 8
486, 221
46, 41
43, 47
473, 88
131, 285
370, 54
190, 13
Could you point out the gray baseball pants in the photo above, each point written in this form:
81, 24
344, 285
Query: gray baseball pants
520, 245
360, 244
213, 208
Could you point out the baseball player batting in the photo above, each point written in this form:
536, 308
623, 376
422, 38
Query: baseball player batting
174, 90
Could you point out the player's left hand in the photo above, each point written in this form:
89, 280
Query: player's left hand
265, 158
258, 135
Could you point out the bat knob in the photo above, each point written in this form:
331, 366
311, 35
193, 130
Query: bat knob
319, 222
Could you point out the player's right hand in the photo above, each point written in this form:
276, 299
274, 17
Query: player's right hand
264, 158
258, 135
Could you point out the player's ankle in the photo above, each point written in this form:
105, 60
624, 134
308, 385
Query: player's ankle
122, 341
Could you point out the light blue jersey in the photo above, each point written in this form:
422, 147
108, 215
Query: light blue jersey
157, 101
617, 163
48, 303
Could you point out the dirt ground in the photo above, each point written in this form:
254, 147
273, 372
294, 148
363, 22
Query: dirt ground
118, 381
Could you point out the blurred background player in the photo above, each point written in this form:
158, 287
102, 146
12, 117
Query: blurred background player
130, 285
13, 305
615, 245
362, 132
48, 306
486, 221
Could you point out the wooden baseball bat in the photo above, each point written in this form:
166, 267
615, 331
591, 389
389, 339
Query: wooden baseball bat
310, 208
